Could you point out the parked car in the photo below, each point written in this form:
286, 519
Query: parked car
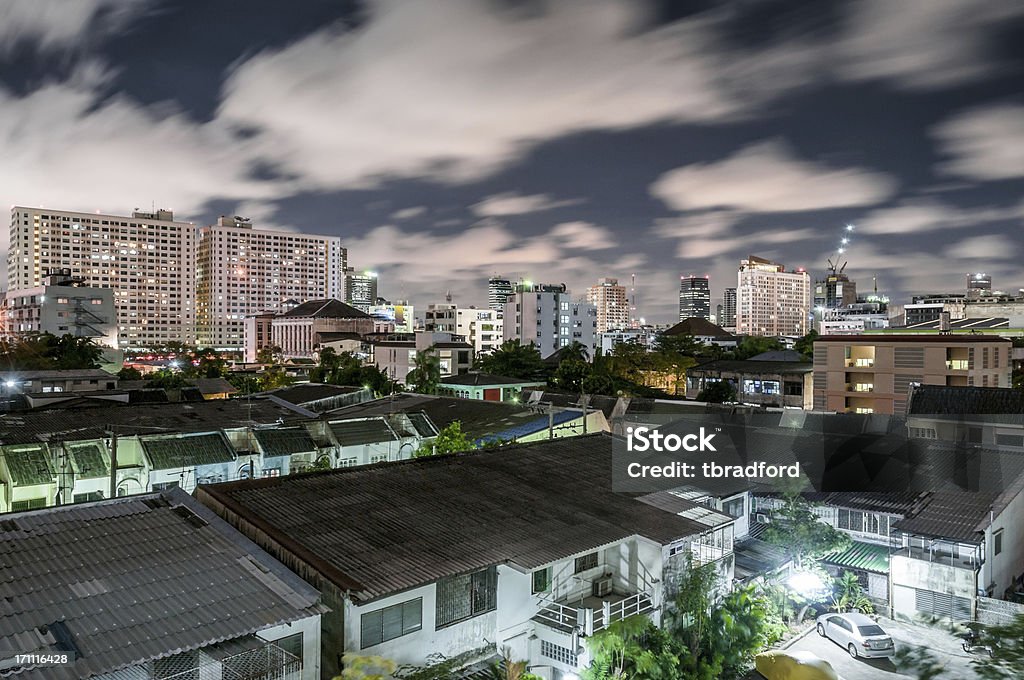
781, 664
857, 634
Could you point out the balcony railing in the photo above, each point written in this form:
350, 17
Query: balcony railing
957, 364
594, 613
970, 562
860, 363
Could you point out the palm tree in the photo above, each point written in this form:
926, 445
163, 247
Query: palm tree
425, 377
575, 351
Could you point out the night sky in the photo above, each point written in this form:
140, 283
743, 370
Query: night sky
448, 140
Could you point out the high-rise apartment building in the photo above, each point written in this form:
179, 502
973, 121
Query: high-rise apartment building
771, 301
146, 258
694, 297
979, 285
498, 291
875, 373
241, 271
612, 305
548, 317
728, 315
360, 289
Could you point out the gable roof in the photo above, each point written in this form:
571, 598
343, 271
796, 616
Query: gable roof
168, 453
90, 460
29, 465
284, 441
356, 431
328, 308
125, 581
381, 529
698, 327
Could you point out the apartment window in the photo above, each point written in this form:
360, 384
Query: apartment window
997, 542
541, 580
1014, 440
291, 644
390, 623
462, 597
585, 563
348, 462
734, 507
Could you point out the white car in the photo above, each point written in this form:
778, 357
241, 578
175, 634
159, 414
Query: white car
857, 634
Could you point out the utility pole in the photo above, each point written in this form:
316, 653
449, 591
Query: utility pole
113, 461
551, 420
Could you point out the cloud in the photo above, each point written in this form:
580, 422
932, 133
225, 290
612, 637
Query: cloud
989, 247
583, 236
985, 143
409, 213
918, 215
62, 149
920, 44
58, 24
766, 178
454, 90
511, 203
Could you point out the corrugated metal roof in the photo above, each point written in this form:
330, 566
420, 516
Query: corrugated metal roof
386, 528
167, 453
90, 460
285, 441
864, 556
133, 580
362, 431
533, 426
422, 424
29, 465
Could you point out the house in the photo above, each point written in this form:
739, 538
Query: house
395, 353
56, 380
761, 380
986, 416
476, 557
167, 590
488, 387
703, 331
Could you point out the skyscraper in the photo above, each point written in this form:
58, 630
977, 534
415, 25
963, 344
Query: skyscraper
360, 289
694, 297
147, 259
612, 305
241, 271
835, 291
771, 301
728, 320
498, 290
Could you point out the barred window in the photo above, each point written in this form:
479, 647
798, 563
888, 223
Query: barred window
585, 563
465, 596
390, 622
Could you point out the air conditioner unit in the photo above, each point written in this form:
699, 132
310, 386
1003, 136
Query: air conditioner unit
603, 586
763, 518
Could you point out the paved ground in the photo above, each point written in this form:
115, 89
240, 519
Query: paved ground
942, 644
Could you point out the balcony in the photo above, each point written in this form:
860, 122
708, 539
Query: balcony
592, 614
860, 387
860, 362
969, 562
957, 364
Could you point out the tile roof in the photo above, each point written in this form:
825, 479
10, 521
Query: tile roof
29, 465
942, 400
126, 581
168, 453
325, 308
381, 529
285, 441
358, 431
697, 326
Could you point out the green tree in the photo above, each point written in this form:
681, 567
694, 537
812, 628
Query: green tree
425, 377
1007, 660
269, 355
717, 392
575, 351
921, 661
451, 439
599, 383
46, 351
570, 375
752, 345
129, 373
631, 648
204, 363
805, 344
681, 344
273, 378
366, 668
797, 530
848, 595
514, 360
166, 379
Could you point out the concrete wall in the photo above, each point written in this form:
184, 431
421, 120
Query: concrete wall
310, 629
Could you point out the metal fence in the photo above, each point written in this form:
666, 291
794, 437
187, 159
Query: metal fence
992, 612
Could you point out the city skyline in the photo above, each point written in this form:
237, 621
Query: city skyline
642, 139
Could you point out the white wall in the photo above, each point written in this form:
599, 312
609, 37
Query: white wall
310, 629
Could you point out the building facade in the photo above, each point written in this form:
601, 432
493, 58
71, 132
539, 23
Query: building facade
728, 320
771, 301
874, 374
147, 259
300, 330
498, 292
481, 328
612, 305
63, 305
241, 271
360, 289
548, 317
694, 297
